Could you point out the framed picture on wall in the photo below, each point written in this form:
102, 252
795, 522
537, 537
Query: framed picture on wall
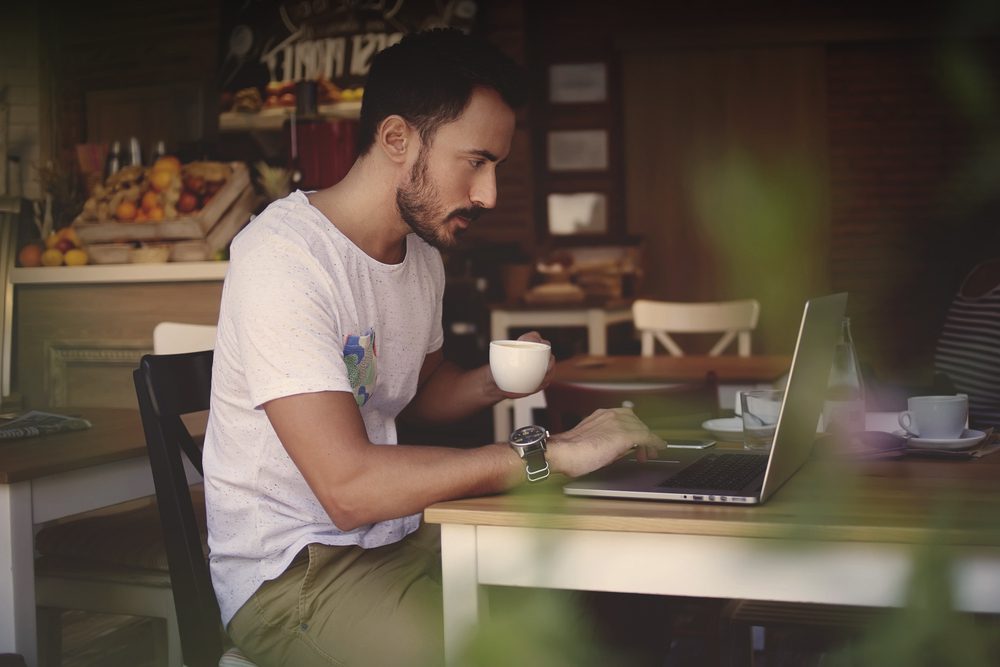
578, 150
578, 83
574, 213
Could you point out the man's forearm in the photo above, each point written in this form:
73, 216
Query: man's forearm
452, 393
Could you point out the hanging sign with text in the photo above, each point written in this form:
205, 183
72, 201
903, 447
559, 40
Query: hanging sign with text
268, 46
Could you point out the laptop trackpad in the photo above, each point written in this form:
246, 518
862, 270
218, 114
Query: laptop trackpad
631, 474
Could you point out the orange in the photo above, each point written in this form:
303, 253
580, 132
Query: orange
51, 240
141, 216
168, 163
155, 213
52, 257
150, 200
75, 257
161, 178
126, 211
30, 255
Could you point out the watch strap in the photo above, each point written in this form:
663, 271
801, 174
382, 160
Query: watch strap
535, 465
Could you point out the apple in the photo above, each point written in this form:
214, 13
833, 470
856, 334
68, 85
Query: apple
195, 184
187, 202
64, 245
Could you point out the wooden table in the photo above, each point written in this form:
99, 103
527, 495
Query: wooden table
836, 533
663, 368
53, 476
595, 319
733, 373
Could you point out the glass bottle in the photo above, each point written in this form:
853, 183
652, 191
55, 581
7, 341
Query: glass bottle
159, 150
844, 408
114, 160
134, 152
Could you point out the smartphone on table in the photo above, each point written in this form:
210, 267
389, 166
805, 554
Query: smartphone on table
681, 443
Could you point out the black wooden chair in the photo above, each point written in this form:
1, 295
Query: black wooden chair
681, 406
169, 386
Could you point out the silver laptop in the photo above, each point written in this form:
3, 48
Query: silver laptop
734, 476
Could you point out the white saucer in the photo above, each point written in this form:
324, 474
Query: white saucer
725, 428
969, 438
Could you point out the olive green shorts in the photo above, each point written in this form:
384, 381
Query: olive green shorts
349, 606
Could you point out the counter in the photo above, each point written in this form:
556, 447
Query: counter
120, 273
77, 332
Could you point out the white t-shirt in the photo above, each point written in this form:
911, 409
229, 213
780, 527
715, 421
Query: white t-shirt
304, 310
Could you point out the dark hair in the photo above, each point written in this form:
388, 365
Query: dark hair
428, 78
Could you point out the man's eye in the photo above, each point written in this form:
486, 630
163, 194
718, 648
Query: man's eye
476, 164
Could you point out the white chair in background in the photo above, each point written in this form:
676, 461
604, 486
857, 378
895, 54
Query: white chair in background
75, 571
177, 337
656, 320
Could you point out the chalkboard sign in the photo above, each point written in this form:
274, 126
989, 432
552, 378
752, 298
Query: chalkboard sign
269, 45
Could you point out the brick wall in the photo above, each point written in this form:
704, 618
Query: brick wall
20, 75
902, 151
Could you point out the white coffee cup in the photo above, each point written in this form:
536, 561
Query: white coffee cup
935, 417
519, 366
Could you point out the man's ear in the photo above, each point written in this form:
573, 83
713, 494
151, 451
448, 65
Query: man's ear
394, 138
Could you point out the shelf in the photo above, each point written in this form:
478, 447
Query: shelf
120, 273
272, 120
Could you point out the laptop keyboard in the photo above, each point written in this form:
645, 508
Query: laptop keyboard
723, 472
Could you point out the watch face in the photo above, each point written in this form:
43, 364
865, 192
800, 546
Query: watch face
527, 435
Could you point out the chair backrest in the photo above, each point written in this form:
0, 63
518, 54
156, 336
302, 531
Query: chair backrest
167, 387
656, 320
665, 407
175, 337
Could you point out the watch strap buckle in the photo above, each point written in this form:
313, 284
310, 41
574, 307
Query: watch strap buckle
538, 473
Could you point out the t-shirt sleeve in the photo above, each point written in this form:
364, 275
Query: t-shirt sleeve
282, 306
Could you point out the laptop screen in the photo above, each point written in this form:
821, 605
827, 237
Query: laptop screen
804, 394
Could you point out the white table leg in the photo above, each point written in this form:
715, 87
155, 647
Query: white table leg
498, 325
502, 423
17, 573
597, 332
460, 588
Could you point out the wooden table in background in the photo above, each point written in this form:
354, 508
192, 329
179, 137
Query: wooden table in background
663, 368
53, 476
733, 373
856, 548
595, 319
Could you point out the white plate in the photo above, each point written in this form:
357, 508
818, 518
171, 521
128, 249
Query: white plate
725, 428
969, 438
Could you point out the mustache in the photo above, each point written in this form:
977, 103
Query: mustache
471, 213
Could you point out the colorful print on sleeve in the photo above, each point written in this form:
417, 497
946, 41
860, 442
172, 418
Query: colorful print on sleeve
360, 357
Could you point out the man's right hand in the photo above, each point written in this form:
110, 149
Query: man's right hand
602, 438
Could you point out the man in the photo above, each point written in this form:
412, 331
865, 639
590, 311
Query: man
330, 326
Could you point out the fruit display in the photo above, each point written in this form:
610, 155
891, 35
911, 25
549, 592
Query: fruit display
167, 212
59, 248
165, 191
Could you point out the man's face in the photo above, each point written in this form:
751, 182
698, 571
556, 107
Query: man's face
453, 179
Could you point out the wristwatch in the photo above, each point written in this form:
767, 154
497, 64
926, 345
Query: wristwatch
529, 443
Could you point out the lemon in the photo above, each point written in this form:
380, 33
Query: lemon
52, 257
75, 257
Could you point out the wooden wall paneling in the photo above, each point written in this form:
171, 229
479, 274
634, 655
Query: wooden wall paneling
78, 344
726, 176
171, 112
130, 45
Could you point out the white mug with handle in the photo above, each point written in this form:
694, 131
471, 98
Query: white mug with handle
935, 417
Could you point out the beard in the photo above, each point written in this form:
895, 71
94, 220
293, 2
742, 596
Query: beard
420, 207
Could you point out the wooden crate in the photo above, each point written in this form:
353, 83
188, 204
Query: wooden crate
233, 202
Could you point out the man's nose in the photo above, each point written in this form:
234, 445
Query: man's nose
484, 190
